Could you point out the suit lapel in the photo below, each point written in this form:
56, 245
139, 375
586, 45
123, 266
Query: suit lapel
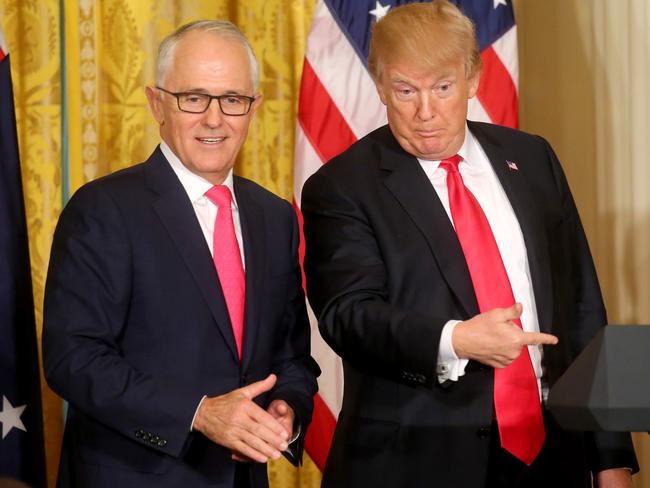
176, 213
251, 216
519, 194
409, 184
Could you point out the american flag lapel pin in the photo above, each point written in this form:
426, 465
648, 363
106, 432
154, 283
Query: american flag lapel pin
512, 166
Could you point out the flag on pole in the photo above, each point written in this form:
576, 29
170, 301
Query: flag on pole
21, 430
339, 104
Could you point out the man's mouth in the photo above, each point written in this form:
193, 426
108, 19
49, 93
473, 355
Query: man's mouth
428, 132
210, 140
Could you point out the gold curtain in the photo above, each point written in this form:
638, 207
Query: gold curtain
79, 68
110, 50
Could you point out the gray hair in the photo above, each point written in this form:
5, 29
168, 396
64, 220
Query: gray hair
222, 28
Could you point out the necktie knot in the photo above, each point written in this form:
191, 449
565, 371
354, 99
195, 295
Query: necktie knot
219, 195
450, 165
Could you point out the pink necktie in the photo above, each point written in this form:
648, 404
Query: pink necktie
227, 260
516, 395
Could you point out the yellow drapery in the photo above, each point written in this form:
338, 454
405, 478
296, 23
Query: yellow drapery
79, 68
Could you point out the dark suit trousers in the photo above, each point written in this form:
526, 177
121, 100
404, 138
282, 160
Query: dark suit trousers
561, 462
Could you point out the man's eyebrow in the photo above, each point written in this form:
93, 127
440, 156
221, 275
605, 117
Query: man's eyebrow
206, 92
196, 90
401, 79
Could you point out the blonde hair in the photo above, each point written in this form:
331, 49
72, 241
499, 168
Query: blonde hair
429, 35
222, 28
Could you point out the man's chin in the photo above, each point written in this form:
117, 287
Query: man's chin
433, 153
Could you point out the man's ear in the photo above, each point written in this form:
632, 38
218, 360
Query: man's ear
256, 104
155, 104
472, 85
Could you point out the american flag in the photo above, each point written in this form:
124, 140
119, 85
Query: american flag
339, 104
21, 431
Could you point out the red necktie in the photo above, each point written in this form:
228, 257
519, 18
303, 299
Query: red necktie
516, 395
227, 260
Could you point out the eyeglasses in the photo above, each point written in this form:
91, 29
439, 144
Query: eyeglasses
197, 103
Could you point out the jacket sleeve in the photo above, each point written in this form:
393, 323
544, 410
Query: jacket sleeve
348, 288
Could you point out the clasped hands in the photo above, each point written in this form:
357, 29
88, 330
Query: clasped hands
494, 339
236, 422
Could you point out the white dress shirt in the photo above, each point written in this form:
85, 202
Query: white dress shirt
479, 177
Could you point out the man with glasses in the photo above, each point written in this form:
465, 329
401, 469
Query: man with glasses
174, 319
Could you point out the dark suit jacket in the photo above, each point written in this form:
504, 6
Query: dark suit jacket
136, 328
385, 272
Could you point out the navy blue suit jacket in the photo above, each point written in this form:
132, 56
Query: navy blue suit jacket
136, 328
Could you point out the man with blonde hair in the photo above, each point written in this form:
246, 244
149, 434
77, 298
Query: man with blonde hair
448, 268
175, 323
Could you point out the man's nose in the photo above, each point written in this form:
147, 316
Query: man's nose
213, 116
426, 106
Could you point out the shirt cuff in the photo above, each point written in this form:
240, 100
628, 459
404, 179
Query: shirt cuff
195, 412
450, 366
296, 434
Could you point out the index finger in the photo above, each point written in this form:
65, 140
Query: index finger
538, 338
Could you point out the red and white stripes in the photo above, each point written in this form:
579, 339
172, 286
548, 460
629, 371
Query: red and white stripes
497, 91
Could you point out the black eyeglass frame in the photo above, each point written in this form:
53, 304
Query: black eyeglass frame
178, 95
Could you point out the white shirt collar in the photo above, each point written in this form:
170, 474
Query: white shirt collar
465, 149
195, 185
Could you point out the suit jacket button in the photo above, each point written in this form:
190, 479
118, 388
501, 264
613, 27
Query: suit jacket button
162, 443
483, 433
244, 379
